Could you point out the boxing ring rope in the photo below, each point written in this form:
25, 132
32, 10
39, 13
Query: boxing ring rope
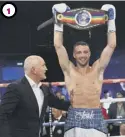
62, 123
105, 81
113, 100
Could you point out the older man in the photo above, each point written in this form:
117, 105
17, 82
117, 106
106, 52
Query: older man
24, 104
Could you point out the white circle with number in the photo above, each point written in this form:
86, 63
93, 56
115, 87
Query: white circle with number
9, 10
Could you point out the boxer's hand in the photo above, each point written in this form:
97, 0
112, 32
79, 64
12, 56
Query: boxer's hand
111, 16
111, 11
60, 8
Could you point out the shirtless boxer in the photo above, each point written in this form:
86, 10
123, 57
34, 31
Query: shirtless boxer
84, 82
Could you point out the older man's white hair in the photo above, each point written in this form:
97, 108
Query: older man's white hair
31, 61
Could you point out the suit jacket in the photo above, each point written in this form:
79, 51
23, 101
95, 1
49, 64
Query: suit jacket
58, 131
20, 109
113, 129
112, 113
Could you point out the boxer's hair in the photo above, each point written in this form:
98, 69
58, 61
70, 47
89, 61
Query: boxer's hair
80, 43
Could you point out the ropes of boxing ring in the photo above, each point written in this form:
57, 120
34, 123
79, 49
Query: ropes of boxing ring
106, 81
113, 100
51, 124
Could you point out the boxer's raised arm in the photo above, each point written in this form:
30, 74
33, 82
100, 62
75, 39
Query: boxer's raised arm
111, 37
58, 39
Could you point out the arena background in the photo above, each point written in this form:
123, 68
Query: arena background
19, 38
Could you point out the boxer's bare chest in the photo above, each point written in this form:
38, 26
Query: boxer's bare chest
87, 83
85, 88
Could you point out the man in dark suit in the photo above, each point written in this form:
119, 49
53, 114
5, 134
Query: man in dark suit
58, 131
24, 104
116, 111
57, 116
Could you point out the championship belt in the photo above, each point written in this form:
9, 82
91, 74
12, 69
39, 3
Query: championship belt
83, 18
80, 18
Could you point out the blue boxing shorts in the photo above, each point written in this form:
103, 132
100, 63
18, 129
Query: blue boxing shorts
84, 122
